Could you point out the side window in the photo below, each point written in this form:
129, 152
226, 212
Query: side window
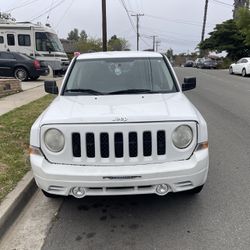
11, 39
6, 55
1, 39
24, 40
244, 61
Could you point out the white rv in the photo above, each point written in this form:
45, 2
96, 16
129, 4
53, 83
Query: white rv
36, 40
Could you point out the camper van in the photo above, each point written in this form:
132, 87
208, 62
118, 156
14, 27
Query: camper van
35, 40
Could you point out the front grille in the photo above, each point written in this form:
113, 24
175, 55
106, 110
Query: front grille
104, 145
90, 145
161, 143
119, 144
133, 144
147, 143
123, 144
76, 144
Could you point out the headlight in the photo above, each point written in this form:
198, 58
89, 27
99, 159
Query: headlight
182, 136
54, 140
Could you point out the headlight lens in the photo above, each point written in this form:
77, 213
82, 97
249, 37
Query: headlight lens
182, 136
54, 140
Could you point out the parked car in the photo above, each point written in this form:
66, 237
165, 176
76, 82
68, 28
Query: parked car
198, 62
189, 63
242, 67
208, 64
20, 66
120, 125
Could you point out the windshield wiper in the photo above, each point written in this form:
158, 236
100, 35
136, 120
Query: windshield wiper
85, 91
131, 91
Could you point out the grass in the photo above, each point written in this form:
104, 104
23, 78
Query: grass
14, 142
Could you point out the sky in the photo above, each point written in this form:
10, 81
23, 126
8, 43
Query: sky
176, 23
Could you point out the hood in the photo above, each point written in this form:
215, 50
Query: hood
119, 108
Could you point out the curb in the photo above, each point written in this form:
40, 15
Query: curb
15, 201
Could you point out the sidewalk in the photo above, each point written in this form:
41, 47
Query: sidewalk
32, 91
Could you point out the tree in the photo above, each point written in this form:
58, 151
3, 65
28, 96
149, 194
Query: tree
83, 35
227, 37
170, 54
90, 44
243, 23
73, 35
117, 44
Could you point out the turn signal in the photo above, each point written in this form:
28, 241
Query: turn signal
202, 145
34, 151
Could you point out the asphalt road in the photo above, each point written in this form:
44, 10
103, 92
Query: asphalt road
217, 218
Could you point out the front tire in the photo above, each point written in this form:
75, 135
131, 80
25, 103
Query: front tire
34, 78
48, 195
21, 74
244, 73
231, 72
196, 190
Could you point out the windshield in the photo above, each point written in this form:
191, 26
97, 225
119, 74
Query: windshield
46, 41
120, 76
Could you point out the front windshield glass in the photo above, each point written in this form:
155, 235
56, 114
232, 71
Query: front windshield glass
46, 41
124, 75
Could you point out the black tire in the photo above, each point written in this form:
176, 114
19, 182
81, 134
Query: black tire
244, 73
48, 195
21, 74
195, 190
34, 78
231, 72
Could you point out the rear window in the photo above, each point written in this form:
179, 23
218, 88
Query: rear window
117, 74
6, 55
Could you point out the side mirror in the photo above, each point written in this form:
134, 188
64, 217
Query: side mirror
51, 87
189, 83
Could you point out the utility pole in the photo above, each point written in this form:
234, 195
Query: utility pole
204, 21
137, 29
157, 45
104, 26
154, 37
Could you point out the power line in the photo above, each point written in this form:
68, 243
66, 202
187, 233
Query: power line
26, 3
144, 41
52, 2
127, 12
132, 23
187, 22
172, 39
223, 3
48, 10
154, 30
65, 13
129, 4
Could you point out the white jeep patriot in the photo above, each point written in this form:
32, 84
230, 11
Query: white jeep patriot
120, 125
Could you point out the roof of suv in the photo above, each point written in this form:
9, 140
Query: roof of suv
119, 54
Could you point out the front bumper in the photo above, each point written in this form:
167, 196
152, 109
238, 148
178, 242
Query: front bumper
42, 72
121, 180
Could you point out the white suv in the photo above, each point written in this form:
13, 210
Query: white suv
120, 125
